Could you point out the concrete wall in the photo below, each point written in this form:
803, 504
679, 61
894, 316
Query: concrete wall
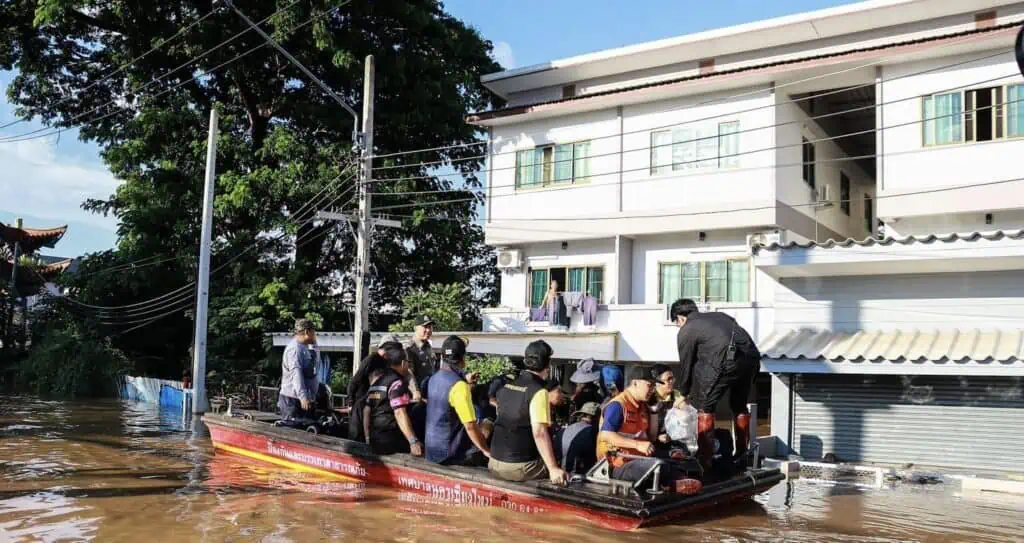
959, 222
645, 333
621, 180
909, 166
925, 301
791, 189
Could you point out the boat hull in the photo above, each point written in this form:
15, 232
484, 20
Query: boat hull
270, 445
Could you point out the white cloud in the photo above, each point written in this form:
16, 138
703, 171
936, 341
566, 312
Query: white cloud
37, 180
502, 54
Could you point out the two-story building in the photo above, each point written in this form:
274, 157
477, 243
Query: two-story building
736, 167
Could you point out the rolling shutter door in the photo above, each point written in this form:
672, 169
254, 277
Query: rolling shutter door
962, 422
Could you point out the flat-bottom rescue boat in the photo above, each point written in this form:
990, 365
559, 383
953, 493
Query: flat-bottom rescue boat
616, 505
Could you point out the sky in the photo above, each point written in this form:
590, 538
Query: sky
45, 181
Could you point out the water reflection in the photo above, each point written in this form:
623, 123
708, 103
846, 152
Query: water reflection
126, 471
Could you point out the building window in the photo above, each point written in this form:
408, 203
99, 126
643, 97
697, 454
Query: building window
553, 165
1015, 111
586, 279
844, 193
869, 214
974, 115
538, 286
705, 282
696, 147
808, 163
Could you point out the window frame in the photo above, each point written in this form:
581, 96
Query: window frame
845, 196
720, 162
548, 166
869, 214
704, 278
809, 161
1000, 112
586, 279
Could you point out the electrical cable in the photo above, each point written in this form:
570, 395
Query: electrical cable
716, 137
735, 96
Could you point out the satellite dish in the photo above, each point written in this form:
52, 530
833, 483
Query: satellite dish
1018, 50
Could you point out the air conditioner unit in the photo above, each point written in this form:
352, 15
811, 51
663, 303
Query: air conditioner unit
509, 259
766, 238
823, 194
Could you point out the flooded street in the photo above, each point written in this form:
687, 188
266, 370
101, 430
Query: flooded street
123, 471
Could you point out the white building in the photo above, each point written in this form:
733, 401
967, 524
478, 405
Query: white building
725, 166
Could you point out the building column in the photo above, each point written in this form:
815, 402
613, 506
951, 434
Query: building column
782, 412
623, 270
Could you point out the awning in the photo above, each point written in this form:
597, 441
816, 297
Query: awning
566, 345
948, 253
925, 352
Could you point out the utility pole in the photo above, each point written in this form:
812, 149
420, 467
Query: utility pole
203, 298
362, 320
12, 291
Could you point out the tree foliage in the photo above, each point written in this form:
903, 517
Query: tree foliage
450, 307
282, 144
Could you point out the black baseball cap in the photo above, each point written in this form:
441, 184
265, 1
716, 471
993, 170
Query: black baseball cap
424, 320
454, 348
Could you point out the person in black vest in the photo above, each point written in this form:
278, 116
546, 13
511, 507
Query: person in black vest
716, 356
390, 428
521, 448
452, 430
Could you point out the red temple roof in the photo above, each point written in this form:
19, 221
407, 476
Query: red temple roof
32, 239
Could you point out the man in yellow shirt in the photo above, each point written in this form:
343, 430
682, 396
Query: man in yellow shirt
453, 435
521, 448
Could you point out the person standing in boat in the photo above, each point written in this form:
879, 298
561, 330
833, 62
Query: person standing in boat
298, 373
453, 436
717, 356
420, 354
521, 448
386, 416
626, 427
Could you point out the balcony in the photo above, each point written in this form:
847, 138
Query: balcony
623, 333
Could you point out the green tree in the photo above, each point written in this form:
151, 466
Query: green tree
282, 142
450, 306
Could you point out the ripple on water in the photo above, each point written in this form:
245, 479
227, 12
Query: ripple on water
127, 471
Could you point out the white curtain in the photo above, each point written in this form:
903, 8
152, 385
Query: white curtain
728, 144
581, 162
661, 152
1015, 110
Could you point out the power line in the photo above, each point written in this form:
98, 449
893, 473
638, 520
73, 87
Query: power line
718, 136
125, 65
733, 210
727, 98
652, 179
183, 290
36, 133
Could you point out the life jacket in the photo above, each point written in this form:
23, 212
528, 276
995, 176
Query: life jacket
446, 437
384, 430
512, 440
635, 420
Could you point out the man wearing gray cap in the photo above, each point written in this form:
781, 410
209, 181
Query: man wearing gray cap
298, 373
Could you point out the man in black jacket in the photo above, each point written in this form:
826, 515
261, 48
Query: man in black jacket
716, 356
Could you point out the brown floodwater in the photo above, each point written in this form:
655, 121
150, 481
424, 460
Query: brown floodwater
124, 471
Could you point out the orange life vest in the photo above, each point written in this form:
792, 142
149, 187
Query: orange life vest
635, 420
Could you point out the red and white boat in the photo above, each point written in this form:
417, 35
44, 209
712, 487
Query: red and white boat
336, 457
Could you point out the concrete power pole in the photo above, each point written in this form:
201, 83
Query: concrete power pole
203, 298
362, 320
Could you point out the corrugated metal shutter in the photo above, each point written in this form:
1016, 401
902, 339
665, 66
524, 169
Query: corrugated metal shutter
964, 422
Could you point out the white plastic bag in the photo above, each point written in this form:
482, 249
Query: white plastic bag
681, 424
